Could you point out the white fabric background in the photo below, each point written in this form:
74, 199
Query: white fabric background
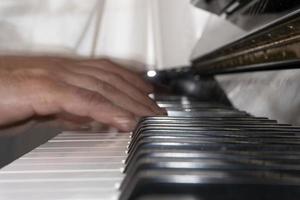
158, 33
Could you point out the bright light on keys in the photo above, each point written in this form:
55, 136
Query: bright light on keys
151, 73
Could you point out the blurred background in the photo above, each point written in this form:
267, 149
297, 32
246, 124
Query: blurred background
152, 32
148, 34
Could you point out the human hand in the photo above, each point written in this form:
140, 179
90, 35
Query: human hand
97, 89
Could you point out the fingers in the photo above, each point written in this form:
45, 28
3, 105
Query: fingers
117, 82
113, 94
50, 86
42, 86
128, 75
63, 97
93, 105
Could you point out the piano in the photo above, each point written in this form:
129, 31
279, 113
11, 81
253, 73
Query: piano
205, 149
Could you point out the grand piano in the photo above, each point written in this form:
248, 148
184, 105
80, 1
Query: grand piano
205, 149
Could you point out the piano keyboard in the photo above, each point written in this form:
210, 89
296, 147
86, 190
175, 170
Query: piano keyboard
72, 165
201, 151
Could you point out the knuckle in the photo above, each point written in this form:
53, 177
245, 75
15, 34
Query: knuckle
46, 89
30, 72
39, 82
99, 85
107, 87
90, 98
113, 77
40, 71
94, 83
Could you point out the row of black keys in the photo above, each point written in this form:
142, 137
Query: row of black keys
226, 157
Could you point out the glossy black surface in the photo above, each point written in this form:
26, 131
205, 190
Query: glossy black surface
250, 14
267, 37
211, 158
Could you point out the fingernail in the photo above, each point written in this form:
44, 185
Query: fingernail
149, 88
156, 110
85, 127
163, 111
127, 127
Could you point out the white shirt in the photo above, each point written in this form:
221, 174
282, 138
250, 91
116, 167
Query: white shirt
153, 32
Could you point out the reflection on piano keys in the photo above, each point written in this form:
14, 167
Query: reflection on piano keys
204, 151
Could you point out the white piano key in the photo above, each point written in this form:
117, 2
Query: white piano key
83, 153
79, 148
70, 166
61, 157
89, 137
88, 140
76, 144
65, 166
47, 175
56, 184
85, 193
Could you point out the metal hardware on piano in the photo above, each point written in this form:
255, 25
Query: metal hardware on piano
205, 149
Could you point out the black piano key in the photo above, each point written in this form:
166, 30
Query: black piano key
207, 120
207, 114
259, 158
211, 144
247, 118
193, 106
224, 164
204, 124
167, 197
214, 127
256, 128
219, 133
208, 164
210, 110
261, 138
213, 185
207, 150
